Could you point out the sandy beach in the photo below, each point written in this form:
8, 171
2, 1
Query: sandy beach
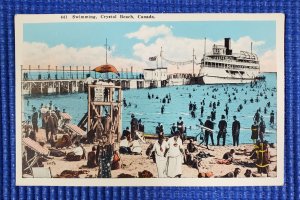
132, 164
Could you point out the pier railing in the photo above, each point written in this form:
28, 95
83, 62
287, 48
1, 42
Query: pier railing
76, 75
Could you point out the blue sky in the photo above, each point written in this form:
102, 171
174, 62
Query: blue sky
66, 41
93, 34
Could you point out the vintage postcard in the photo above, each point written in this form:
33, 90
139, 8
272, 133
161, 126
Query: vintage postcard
150, 99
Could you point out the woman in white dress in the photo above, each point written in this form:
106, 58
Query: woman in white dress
174, 155
159, 149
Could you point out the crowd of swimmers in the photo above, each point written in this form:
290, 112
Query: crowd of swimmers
168, 151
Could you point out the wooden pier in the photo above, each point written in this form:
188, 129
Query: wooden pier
66, 86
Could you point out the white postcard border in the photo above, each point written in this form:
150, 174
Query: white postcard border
57, 18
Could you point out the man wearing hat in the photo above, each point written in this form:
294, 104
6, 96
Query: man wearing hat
107, 125
159, 129
209, 124
34, 120
235, 131
134, 126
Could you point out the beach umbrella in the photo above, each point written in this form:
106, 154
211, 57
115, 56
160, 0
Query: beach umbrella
106, 68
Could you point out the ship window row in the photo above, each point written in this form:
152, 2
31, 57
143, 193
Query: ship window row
239, 60
222, 65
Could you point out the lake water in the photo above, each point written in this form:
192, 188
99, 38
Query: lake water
149, 110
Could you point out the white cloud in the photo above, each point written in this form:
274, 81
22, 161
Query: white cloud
180, 49
145, 33
174, 48
35, 54
268, 61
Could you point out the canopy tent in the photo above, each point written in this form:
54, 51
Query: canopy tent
106, 68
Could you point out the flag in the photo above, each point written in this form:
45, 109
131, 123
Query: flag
152, 58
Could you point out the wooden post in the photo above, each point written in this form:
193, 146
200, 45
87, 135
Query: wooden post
83, 72
59, 87
89, 108
56, 77
71, 75
77, 71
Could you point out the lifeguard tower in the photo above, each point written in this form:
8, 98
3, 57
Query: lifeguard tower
104, 110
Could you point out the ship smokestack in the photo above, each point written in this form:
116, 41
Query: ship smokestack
228, 46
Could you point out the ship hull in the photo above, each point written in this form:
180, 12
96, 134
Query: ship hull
223, 80
225, 76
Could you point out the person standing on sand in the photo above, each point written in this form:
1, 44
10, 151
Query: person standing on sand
180, 127
235, 131
34, 120
222, 130
173, 129
255, 131
262, 129
134, 125
104, 157
209, 124
159, 148
107, 126
174, 153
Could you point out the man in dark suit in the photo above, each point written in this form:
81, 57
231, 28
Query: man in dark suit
34, 120
222, 130
235, 131
209, 124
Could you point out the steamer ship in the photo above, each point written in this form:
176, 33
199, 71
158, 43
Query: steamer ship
223, 66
